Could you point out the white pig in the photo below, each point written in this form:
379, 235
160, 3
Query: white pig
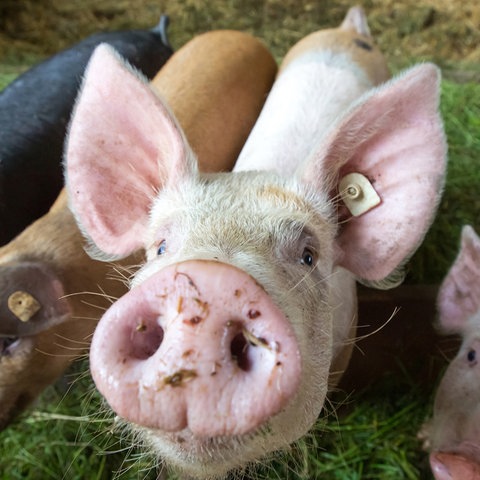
222, 350
454, 432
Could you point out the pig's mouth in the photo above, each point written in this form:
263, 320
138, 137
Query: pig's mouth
213, 456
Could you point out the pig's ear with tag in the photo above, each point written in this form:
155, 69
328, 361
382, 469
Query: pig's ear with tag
459, 295
123, 147
383, 167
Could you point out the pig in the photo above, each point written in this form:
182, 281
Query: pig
223, 349
34, 112
51, 292
453, 434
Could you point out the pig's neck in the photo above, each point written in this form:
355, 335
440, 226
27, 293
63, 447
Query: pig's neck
306, 100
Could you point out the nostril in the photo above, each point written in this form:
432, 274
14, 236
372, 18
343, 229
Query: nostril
239, 351
145, 339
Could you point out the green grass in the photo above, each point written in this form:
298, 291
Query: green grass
67, 435
6, 77
376, 439
373, 436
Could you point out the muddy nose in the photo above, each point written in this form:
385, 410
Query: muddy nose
30, 299
199, 345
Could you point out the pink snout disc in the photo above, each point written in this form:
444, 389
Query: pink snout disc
199, 345
451, 466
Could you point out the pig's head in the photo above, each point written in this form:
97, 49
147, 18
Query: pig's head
222, 350
46, 317
454, 431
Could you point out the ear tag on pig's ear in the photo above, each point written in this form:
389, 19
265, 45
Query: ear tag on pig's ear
23, 305
358, 194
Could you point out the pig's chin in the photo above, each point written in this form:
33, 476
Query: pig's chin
205, 457
214, 457
209, 457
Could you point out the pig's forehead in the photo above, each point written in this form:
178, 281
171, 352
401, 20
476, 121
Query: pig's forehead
254, 192
257, 213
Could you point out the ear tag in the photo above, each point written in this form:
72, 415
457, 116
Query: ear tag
358, 193
23, 305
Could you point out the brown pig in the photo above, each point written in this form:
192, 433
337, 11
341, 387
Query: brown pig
216, 85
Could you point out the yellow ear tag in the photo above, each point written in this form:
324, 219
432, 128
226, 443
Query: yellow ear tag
358, 193
23, 305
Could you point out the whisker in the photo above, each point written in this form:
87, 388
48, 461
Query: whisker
98, 307
123, 273
78, 317
363, 337
72, 349
56, 355
81, 342
98, 294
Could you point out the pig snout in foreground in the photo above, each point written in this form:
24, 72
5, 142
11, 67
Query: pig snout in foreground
46, 313
280, 245
453, 434
34, 112
206, 345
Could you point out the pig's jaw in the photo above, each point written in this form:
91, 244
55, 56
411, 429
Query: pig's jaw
205, 458
214, 458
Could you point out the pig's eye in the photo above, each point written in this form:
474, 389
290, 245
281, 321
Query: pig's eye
472, 357
308, 258
162, 247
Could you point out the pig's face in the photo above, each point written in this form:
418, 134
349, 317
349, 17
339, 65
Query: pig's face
454, 431
457, 402
223, 349
281, 236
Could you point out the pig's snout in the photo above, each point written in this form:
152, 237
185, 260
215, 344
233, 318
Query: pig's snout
450, 466
199, 345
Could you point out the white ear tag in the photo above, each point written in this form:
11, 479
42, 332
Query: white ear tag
358, 193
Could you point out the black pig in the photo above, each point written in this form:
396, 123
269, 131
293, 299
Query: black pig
35, 110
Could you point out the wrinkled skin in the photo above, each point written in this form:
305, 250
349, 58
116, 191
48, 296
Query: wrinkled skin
453, 434
279, 228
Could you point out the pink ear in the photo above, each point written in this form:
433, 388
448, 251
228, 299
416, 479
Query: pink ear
459, 295
356, 20
123, 147
394, 137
